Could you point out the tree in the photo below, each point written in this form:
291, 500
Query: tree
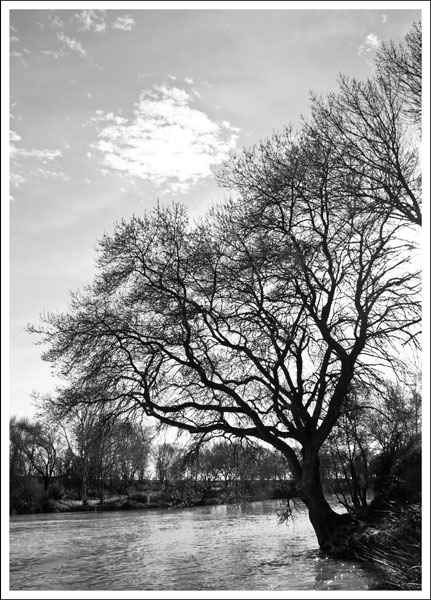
41, 446
401, 67
100, 449
371, 126
168, 460
377, 423
133, 452
253, 322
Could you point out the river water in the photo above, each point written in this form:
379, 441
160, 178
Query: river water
235, 547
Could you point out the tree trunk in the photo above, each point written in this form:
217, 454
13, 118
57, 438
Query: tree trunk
83, 490
101, 490
331, 528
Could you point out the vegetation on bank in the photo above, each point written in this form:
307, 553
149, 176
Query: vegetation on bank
391, 539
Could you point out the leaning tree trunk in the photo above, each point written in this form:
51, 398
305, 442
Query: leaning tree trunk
331, 528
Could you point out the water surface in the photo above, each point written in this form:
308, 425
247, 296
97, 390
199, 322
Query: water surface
236, 547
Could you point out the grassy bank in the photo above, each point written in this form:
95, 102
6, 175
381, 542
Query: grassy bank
390, 543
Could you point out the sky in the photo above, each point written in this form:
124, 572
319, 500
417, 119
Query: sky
114, 110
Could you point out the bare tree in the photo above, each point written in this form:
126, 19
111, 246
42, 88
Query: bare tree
42, 447
370, 124
254, 321
252, 325
401, 66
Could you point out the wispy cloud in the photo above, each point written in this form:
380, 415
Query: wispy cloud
43, 155
91, 20
17, 180
168, 142
53, 53
50, 174
125, 23
384, 18
25, 163
14, 39
370, 44
72, 44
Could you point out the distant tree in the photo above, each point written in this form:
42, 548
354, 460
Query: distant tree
100, 449
133, 452
41, 445
167, 459
19, 464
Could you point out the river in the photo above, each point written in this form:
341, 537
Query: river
234, 547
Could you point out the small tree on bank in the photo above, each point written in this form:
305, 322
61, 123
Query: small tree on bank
254, 322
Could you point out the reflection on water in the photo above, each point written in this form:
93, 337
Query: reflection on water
241, 547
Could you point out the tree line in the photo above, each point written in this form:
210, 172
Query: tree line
261, 321
91, 457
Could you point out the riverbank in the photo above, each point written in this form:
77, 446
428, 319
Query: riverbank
389, 541
56, 506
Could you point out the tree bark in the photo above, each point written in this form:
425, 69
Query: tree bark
331, 528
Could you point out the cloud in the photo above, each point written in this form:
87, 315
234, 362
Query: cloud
52, 53
370, 44
17, 180
125, 23
49, 174
43, 155
168, 142
56, 22
14, 137
72, 44
384, 18
22, 171
91, 20
14, 39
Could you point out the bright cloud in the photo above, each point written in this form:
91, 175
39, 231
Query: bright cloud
125, 23
91, 20
167, 142
370, 44
14, 137
72, 44
14, 39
